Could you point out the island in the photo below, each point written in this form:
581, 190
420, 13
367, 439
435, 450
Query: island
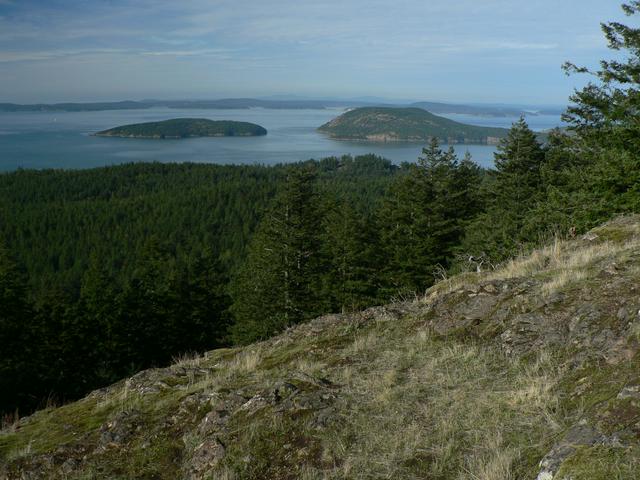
185, 128
390, 124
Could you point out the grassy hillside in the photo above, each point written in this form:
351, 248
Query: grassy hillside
531, 371
383, 124
185, 128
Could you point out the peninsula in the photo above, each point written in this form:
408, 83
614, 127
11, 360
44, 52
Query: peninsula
185, 128
387, 124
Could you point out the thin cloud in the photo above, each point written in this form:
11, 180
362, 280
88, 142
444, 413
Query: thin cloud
413, 45
57, 54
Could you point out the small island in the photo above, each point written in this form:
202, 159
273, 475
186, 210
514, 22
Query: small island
389, 124
185, 128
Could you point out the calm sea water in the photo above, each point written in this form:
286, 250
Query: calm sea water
62, 139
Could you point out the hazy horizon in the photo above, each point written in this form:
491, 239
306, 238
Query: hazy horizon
283, 97
497, 51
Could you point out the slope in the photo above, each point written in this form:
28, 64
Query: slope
386, 124
530, 371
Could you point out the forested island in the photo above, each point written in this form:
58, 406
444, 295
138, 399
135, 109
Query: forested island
185, 128
388, 124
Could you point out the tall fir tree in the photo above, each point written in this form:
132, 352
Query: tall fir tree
423, 218
351, 256
592, 172
605, 112
279, 285
604, 116
516, 188
20, 359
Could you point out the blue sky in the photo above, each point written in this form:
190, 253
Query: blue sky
507, 51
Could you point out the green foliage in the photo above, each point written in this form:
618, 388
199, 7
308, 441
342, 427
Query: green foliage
276, 286
127, 267
315, 250
604, 113
516, 187
185, 128
351, 254
423, 218
591, 174
416, 124
582, 177
15, 313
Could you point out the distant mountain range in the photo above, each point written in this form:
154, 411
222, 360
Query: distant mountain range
245, 103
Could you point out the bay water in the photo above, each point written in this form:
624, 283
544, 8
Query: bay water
62, 140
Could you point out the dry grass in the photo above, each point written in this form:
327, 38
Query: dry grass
443, 410
123, 400
363, 343
189, 360
307, 366
493, 461
562, 261
245, 361
19, 453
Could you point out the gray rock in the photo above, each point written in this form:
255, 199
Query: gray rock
205, 457
630, 392
579, 435
120, 429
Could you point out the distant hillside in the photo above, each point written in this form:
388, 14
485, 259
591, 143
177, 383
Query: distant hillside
531, 371
384, 124
486, 110
292, 104
72, 107
185, 128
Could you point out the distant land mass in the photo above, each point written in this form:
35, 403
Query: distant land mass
185, 128
387, 124
291, 104
225, 103
486, 110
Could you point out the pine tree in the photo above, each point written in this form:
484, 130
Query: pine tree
98, 306
279, 283
423, 218
515, 190
604, 116
204, 305
605, 112
350, 249
19, 359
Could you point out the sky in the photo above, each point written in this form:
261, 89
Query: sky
481, 51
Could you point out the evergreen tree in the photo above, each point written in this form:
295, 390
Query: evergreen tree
279, 283
98, 306
204, 306
19, 360
103, 301
515, 190
605, 112
350, 249
604, 116
593, 173
423, 218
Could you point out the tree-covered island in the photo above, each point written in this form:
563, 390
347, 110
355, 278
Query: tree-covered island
185, 128
386, 124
